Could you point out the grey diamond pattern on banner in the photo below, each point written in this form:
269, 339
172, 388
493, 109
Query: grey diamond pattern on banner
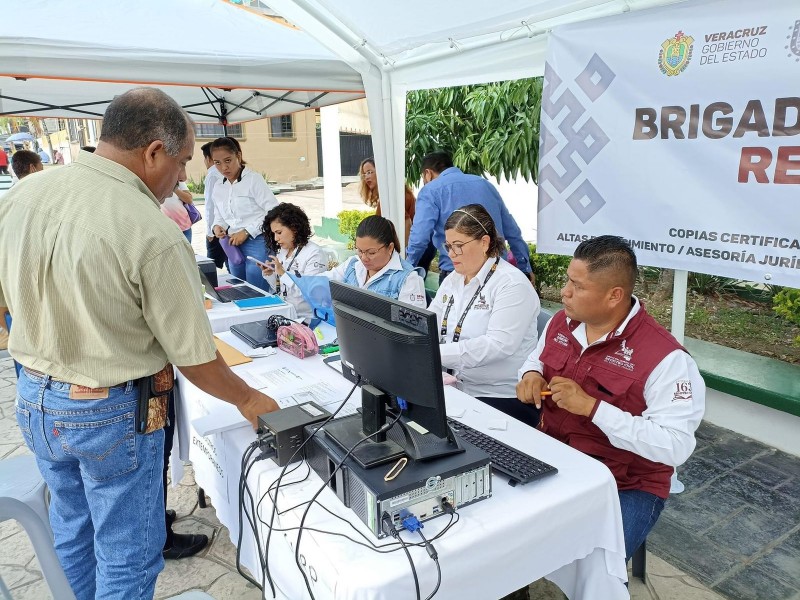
562, 171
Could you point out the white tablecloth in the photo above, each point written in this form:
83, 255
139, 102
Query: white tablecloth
567, 527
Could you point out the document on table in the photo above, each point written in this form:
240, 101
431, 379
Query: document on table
290, 386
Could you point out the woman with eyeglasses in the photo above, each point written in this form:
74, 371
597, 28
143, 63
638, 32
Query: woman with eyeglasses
377, 267
369, 193
486, 312
287, 231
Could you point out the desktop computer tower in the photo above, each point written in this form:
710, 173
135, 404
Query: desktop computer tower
419, 489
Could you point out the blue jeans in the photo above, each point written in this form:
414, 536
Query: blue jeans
640, 511
107, 505
248, 270
188, 234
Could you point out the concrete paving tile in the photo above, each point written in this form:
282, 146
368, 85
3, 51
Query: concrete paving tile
791, 487
697, 511
786, 463
783, 562
17, 576
708, 434
37, 590
754, 584
668, 582
234, 587
763, 473
191, 573
778, 504
690, 551
545, 590
733, 451
697, 472
182, 499
222, 549
8, 528
748, 532
17, 550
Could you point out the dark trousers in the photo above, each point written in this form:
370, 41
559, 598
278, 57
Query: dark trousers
215, 252
427, 258
527, 413
169, 433
443, 275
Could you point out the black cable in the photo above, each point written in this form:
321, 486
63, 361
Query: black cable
280, 478
435, 556
388, 527
386, 427
246, 455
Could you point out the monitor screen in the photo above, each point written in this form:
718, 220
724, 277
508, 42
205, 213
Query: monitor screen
394, 347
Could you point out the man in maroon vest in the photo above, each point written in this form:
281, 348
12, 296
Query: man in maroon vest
623, 389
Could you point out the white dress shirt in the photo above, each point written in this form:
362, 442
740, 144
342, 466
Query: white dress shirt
412, 292
308, 261
243, 204
498, 333
664, 432
213, 177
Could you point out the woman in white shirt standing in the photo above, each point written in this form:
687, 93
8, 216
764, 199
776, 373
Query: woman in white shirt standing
287, 232
241, 201
486, 311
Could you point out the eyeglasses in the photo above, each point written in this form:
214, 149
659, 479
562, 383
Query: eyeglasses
371, 253
457, 248
368, 173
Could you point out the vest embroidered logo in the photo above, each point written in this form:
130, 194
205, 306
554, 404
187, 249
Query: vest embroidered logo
444, 299
683, 390
624, 351
561, 340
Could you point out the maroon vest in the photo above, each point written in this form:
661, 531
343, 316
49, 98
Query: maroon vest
614, 371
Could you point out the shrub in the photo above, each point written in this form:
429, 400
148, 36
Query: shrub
348, 223
196, 187
707, 285
550, 269
786, 303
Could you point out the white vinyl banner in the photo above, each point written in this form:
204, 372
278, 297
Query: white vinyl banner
678, 128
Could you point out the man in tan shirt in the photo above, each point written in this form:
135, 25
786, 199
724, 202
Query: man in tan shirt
104, 290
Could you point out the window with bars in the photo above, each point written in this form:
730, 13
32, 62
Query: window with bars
281, 127
214, 131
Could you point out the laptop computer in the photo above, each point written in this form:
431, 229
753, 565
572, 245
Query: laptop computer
230, 294
257, 334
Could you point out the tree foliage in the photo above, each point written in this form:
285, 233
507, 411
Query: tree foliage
490, 128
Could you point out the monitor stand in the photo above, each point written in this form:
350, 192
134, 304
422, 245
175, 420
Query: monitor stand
378, 450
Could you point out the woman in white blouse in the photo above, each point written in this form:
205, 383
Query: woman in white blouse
486, 311
287, 232
241, 201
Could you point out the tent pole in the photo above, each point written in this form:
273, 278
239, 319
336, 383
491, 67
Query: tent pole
679, 287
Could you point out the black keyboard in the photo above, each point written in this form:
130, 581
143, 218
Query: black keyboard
238, 293
520, 467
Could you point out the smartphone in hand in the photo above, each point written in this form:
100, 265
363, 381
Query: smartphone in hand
258, 262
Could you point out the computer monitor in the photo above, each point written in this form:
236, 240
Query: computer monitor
394, 348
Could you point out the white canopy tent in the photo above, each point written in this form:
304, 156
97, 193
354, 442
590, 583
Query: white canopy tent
221, 62
418, 44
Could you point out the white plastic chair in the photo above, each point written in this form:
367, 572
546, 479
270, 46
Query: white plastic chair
23, 498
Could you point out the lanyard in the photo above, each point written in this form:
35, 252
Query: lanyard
457, 331
287, 269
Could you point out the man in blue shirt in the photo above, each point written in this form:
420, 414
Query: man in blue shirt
446, 189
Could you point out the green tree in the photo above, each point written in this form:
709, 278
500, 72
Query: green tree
490, 128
